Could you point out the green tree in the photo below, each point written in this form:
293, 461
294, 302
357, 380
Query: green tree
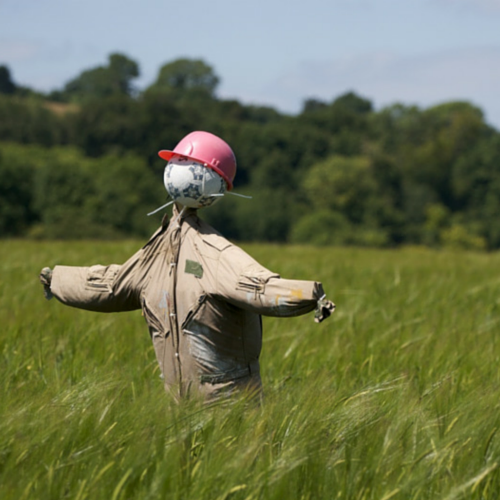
268, 216
104, 81
123, 70
350, 206
124, 192
312, 105
28, 121
452, 129
397, 129
187, 75
322, 227
16, 193
108, 197
7, 86
342, 184
346, 119
476, 188
105, 125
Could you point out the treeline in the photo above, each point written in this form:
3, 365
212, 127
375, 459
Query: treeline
82, 162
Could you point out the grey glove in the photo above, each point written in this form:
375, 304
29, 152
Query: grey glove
323, 309
45, 280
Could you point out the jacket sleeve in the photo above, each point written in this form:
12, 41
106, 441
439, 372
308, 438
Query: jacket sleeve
99, 288
244, 283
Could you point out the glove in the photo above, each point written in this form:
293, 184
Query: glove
45, 280
323, 309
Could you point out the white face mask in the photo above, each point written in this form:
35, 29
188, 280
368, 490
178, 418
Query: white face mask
191, 184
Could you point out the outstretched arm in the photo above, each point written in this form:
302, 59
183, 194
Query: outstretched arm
245, 283
98, 288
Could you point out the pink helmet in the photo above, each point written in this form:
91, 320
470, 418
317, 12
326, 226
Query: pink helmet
208, 149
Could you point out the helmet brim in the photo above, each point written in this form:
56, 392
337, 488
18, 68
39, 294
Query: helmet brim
167, 155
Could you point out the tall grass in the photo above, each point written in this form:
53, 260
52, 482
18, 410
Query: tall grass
395, 397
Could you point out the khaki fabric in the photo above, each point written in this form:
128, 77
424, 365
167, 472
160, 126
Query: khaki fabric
202, 298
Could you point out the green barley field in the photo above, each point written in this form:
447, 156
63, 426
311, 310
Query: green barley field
397, 396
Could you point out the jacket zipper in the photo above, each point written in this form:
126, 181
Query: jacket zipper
174, 326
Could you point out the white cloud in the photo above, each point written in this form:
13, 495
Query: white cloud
12, 51
474, 4
385, 78
45, 66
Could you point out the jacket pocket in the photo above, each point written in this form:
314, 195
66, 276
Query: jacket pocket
156, 327
159, 335
192, 313
254, 280
101, 278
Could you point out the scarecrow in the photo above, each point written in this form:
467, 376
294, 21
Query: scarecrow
202, 297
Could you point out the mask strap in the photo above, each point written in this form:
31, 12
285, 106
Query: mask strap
240, 195
212, 195
158, 209
181, 213
230, 192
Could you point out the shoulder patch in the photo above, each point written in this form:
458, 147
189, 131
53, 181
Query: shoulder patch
216, 241
193, 267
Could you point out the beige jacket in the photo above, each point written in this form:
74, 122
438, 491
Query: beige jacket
202, 298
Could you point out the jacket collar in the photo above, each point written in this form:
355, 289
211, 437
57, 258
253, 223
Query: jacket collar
182, 212
179, 213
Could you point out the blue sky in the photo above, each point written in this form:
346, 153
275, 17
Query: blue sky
271, 52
